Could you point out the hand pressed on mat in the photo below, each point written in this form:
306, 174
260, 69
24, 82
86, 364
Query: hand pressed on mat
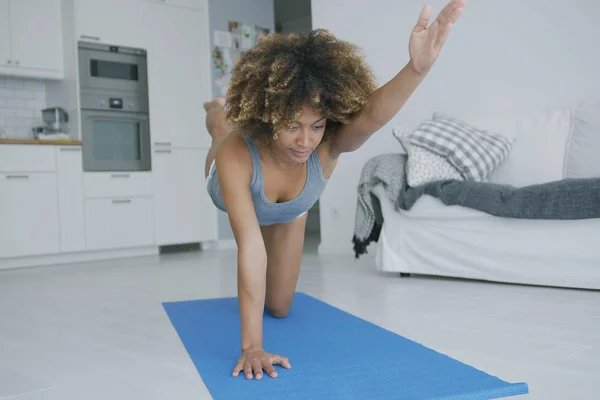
254, 360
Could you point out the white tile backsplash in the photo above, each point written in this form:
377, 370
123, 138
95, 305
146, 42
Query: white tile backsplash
21, 103
23, 94
6, 93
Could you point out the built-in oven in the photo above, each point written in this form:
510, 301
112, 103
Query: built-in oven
115, 125
115, 142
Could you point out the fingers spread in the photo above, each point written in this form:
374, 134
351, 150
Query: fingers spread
270, 370
449, 13
423, 18
441, 38
248, 370
283, 361
455, 15
237, 369
254, 367
444, 29
257, 367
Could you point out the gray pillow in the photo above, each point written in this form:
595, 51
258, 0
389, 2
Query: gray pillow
474, 152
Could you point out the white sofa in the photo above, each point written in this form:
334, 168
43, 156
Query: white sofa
434, 239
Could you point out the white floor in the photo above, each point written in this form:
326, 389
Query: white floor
97, 331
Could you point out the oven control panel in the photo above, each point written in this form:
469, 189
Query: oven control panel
112, 103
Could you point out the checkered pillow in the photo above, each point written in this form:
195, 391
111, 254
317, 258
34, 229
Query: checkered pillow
474, 152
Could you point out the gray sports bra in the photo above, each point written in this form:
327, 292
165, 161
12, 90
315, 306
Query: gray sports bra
267, 212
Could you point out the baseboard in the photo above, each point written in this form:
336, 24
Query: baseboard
180, 248
85, 256
67, 258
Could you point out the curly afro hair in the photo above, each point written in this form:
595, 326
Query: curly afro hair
282, 73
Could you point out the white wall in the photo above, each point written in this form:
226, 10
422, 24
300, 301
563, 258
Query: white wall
500, 56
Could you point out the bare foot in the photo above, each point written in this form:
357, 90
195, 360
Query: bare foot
216, 122
218, 102
217, 126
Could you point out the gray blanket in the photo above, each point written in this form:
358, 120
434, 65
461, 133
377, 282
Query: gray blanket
562, 199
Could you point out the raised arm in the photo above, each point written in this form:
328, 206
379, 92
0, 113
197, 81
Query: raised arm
424, 46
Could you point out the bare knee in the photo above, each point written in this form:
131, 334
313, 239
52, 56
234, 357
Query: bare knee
280, 310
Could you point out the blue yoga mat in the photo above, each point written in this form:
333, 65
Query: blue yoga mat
334, 355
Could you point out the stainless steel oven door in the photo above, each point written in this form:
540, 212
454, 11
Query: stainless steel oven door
120, 70
115, 141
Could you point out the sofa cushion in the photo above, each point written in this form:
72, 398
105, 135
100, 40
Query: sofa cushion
583, 152
474, 152
538, 153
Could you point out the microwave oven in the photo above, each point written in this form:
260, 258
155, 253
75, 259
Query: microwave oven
106, 68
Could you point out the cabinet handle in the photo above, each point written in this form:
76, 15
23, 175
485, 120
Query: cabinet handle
73, 148
162, 143
162, 151
9, 61
17, 62
90, 37
125, 201
17, 176
120, 176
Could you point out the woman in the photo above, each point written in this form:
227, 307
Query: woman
294, 105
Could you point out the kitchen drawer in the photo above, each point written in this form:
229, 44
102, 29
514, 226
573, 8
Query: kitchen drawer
27, 158
118, 223
117, 184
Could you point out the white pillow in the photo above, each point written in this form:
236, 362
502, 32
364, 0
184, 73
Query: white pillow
399, 132
422, 165
538, 153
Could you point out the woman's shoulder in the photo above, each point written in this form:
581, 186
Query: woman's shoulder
234, 146
327, 158
233, 152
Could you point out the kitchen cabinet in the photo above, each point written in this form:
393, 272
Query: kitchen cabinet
50, 206
117, 184
179, 74
118, 210
31, 38
36, 34
28, 158
70, 198
115, 223
28, 213
5, 54
114, 22
183, 210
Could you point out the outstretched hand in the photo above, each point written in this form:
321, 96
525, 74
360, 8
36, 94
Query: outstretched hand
426, 41
254, 360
